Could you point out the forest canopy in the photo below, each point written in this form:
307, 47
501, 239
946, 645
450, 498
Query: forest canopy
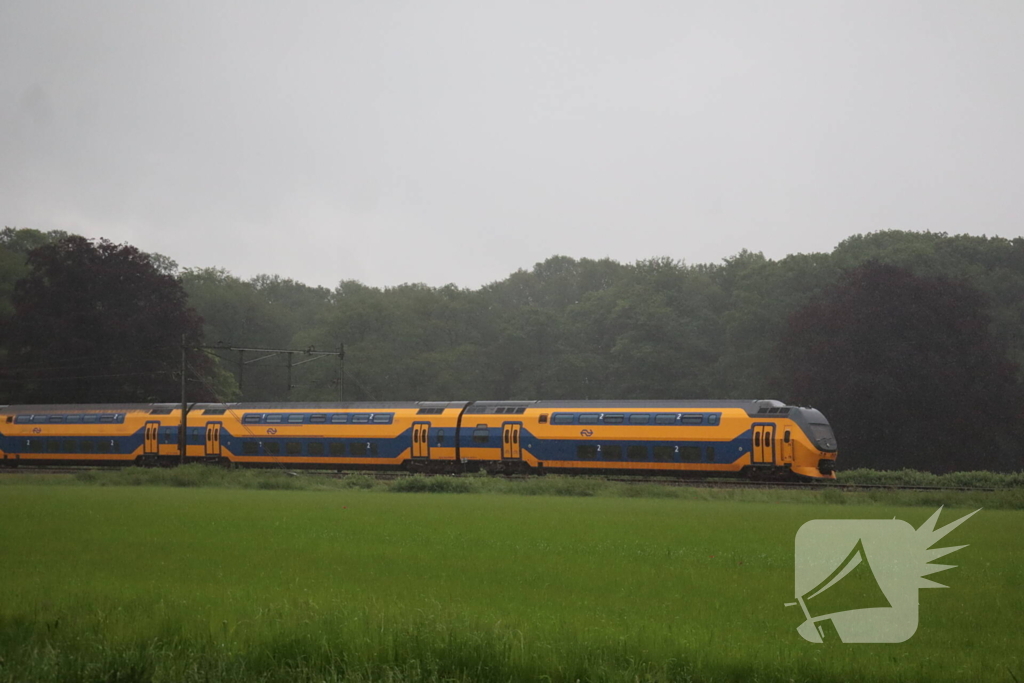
911, 343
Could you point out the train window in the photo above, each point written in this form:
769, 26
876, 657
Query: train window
274, 419
586, 451
40, 418
543, 419
250, 447
315, 447
506, 434
709, 452
430, 411
589, 418
373, 448
664, 453
293, 448
612, 452
296, 418
22, 419
53, 446
786, 437
106, 418
89, 419
73, 418
252, 418
37, 446
337, 447
317, 418
689, 453
613, 419
339, 418
361, 418
115, 446
520, 410
713, 419
56, 418
481, 434
160, 411
665, 419
358, 448
103, 446
757, 439
562, 418
382, 418
69, 446
440, 437
85, 446
10, 418
692, 419
272, 447
637, 452
639, 419
214, 411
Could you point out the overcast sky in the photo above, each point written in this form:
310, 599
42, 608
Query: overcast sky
457, 141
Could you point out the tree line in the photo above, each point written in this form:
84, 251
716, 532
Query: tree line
911, 343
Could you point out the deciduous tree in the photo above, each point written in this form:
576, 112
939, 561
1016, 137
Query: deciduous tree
96, 322
908, 372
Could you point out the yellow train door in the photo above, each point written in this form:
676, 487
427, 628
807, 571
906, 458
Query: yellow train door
421, 439
764, 445
786, 446
768, 444
511, 448
213, 439
150, 444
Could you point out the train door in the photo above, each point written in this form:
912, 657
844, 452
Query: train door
764, 444
511, 448
421, 439
150, 442
786, 445
768, 444
213, 439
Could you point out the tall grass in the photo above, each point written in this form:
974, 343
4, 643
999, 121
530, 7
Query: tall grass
980, 479
1010, 495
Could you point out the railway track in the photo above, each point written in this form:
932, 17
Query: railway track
661, 481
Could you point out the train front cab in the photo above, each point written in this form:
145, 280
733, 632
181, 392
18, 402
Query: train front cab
811, 445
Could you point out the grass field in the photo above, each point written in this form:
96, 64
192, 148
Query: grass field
210, 584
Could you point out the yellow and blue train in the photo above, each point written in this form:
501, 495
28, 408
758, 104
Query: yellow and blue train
763, 439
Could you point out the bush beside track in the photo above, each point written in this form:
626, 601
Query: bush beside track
1009, 493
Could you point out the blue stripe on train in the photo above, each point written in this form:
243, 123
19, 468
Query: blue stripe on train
392, 447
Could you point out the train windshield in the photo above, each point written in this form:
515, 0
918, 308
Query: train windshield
823, 436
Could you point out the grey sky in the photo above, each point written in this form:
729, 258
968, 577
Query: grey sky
456, 141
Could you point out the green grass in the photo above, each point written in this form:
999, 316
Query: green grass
212, 584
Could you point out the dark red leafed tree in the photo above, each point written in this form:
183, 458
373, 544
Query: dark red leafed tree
907, 371
97, 322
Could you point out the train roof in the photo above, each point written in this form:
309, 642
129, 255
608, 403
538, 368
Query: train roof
392, 405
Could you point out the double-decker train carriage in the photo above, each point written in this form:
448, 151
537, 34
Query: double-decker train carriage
697, 438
